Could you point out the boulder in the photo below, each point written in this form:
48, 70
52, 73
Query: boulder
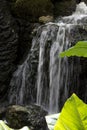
45, 19
32, 116
32, 9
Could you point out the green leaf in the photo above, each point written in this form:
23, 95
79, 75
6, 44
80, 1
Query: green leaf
80, 50
3, 126
73, 115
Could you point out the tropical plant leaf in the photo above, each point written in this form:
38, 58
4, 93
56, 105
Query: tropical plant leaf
3, 126
73, 115
80, 50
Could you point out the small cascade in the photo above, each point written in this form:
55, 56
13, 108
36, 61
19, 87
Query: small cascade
58, 69
22, 83
44, 78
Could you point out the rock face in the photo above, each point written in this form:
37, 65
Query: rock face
64, 7
32, 9
19, 116
8, 47
25, 36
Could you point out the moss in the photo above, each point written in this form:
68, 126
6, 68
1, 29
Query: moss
32, 8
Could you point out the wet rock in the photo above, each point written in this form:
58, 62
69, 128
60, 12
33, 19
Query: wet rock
32, 116
64, 7
8, 47
25, 39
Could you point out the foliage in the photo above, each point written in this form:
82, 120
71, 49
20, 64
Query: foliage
74, 112
73, 115
80, 50
3, 126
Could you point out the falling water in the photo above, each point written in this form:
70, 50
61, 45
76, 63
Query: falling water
50, 72
55, 68
22, 90
58, 68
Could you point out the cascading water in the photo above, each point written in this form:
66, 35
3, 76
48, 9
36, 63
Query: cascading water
43, 68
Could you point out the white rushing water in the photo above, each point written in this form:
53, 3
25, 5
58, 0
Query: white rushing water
52, 71
58, 68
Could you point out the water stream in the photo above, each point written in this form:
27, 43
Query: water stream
44, 77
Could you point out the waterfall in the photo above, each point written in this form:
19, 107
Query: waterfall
56, 63
44, 77
22, 90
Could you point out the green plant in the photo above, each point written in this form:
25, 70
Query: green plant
3, 126
73, 115
74, 112
80, 50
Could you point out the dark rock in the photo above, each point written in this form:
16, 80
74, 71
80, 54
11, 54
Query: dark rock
78, 1
32, 9
54, 1
2, 113
83, 1
25, 34
64, 7
32, 116
8, 47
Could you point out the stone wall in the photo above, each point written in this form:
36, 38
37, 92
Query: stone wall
8, 47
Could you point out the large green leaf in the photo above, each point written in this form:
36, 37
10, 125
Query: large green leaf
73, 115
80, 50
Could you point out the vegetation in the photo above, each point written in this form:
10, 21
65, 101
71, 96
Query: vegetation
80, 50
74, 112
3, 126
72, 117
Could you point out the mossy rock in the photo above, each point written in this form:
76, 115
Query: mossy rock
32, 9
32, 116
45, 19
